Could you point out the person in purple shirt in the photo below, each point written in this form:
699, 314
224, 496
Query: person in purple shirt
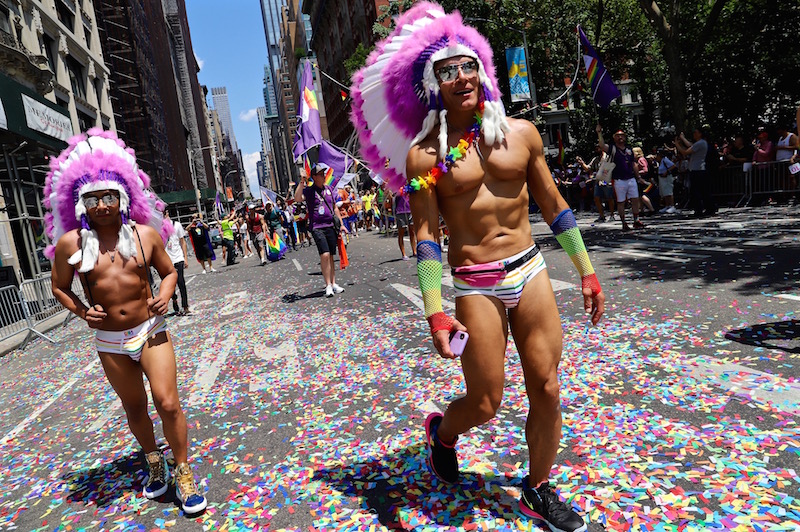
624, 175
402, 216
321, 202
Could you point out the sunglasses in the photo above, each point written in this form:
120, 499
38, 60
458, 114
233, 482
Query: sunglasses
109, 200
450, 72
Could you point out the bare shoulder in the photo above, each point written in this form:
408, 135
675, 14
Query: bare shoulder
422, 157
525, 129
148, 234
69, 243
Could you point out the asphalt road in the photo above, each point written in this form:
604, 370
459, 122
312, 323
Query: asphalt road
305, 413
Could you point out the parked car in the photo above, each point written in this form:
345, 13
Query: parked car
216, 237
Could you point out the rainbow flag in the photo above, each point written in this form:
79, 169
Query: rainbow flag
329, 177
603, 88
276, 248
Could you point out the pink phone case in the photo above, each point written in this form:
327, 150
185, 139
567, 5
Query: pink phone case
458, 341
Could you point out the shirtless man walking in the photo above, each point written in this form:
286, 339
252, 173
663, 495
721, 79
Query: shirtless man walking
99, 238
477, 169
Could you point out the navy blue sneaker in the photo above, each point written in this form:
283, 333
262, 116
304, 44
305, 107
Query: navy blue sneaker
544, 507
158, 475
192, 501
442, 458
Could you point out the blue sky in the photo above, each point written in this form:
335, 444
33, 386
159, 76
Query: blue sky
230, 46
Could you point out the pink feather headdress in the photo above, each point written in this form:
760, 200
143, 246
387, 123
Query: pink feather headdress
396, 100
98, 160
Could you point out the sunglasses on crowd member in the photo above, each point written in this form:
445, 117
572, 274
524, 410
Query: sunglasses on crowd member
109, 200
450, 72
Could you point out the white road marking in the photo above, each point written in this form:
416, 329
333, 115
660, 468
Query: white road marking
297, 265
648, 255
415, 296
190, 279
286, 353
44, 406
561, 285
753, 383
210, 366
106, 416
788, 296
233, 303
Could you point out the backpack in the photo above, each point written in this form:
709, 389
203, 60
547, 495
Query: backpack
712, 158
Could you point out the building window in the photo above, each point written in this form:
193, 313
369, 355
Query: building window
65, 14
87, 32
85, 122
5, 19
48, 51
98, 90
75, 70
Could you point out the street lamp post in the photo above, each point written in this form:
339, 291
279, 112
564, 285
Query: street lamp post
193, 171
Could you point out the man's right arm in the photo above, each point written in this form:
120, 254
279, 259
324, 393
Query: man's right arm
61, 282
600, 141
298, 192
425, 212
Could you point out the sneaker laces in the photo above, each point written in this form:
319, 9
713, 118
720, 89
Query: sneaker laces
185, 480
553, 506
157, 472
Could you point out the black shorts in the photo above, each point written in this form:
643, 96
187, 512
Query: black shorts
326, 240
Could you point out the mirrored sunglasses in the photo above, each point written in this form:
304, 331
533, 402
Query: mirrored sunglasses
450, 72
109, 200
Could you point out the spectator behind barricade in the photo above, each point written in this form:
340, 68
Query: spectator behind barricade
667, 171
739, 153
786, 145
764, 149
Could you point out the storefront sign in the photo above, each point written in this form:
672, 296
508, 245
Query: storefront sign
45, 120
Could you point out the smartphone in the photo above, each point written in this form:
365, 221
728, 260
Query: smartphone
458, 341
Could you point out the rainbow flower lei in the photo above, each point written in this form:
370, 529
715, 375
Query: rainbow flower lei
457, 152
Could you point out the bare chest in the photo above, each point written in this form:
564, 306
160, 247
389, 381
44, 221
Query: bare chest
485, 165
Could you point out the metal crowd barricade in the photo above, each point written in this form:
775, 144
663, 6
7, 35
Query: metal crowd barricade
771, 178
14, 316
733, 183
39, 300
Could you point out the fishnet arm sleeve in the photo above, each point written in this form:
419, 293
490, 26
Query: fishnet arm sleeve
565, 228
429, 271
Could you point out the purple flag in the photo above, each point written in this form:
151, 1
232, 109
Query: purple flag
603, 88
309, 133
336, 159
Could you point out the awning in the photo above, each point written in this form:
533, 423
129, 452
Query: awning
28, 114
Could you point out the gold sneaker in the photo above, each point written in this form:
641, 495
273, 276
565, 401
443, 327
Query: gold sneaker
158, 475
192, 501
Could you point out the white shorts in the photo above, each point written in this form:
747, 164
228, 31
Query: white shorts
665, 187
626, 189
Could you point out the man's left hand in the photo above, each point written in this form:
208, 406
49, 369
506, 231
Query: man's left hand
594, 304
158, 305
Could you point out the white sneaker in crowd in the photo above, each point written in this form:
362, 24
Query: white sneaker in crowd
337, 289
213, 270
671, 210
329, 291
204, 271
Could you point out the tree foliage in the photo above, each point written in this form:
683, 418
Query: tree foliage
727, 63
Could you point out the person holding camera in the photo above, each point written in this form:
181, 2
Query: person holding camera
326, 222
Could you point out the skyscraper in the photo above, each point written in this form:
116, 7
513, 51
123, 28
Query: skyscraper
223, 108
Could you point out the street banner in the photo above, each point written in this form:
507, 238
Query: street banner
346, 178
229, 193
309, 132
603, 89
518, 74
218, 205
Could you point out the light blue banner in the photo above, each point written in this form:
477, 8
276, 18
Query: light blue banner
518, 74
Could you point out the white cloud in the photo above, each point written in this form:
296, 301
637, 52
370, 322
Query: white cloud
248, 116
200, 63
250, 160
